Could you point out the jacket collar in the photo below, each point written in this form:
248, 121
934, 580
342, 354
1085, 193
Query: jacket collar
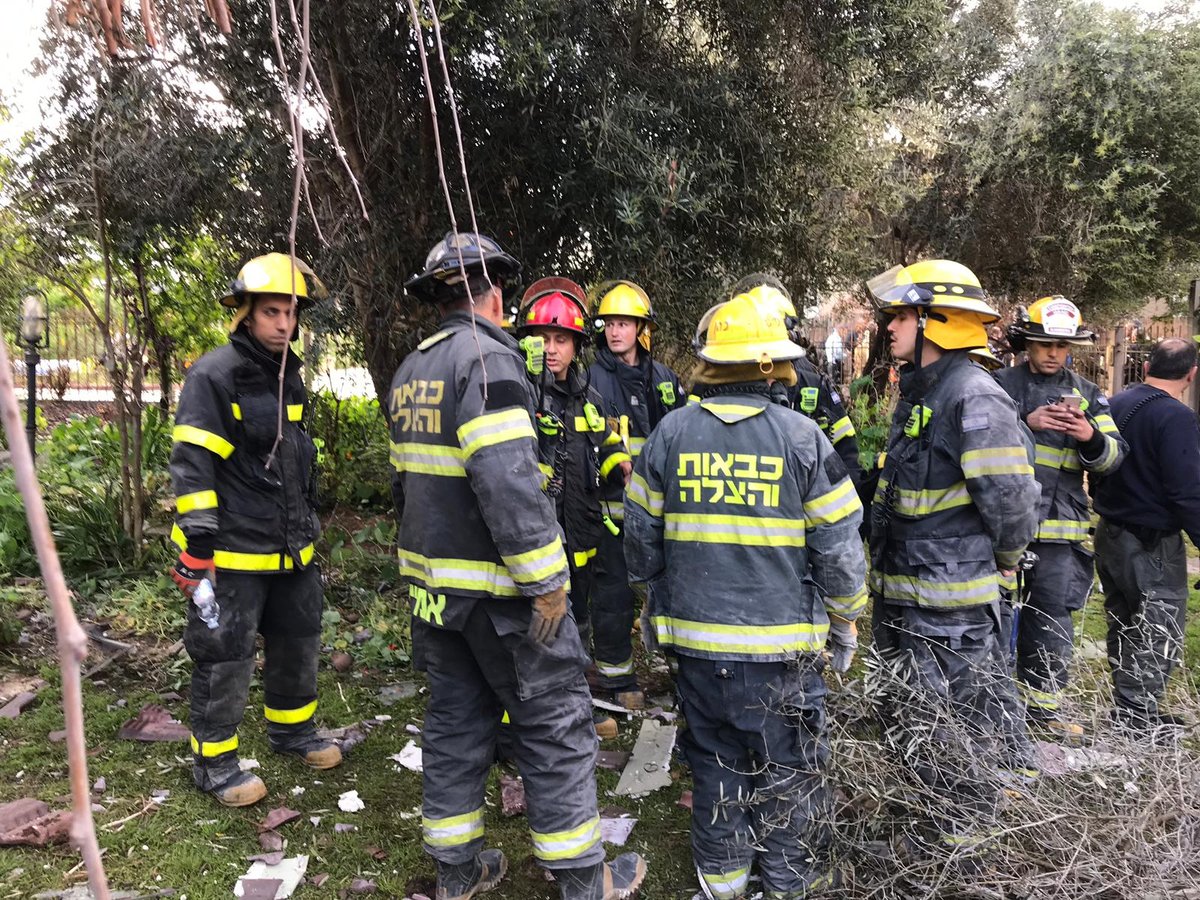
252, 350
917, 383
608, 360
735, 407
461, 317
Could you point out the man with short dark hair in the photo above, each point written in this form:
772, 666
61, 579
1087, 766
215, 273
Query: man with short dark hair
1140, 554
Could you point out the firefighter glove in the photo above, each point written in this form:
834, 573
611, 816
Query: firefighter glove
548, 612
189, 570
843, 642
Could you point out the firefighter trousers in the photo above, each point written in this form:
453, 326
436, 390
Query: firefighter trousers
756, 744
476, 672
1060, 584
946, 703
1145, 599
285, 608
613, 608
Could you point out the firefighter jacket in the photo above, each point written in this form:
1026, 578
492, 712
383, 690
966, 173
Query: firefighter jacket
742, 519
957, 498
473, 520
1060, 459
816, 397
639, 396
579, 451
254, 517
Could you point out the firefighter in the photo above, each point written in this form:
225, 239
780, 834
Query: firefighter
1074, 433
732, 484
639, 391
244, 481
579, 450
955, 506
487, 572
813, 393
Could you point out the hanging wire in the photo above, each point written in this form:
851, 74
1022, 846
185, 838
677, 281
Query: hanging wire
437, 139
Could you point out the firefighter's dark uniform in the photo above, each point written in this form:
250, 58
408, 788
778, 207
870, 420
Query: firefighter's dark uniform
580, 454
260, 521
638, 396
1062, 578
478, 539
742, 520
816, 397
956, 500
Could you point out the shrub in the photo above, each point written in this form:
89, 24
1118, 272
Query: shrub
352, 442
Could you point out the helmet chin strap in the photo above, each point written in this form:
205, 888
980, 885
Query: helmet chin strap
919, 346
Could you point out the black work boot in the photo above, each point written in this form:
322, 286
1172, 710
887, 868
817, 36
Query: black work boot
614, 880
223, 778
301, 740
462, 882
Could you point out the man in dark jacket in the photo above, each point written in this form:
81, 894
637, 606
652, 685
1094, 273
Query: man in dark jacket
1073, 434
487, 571
244, 479
1140, 553
579, 451
638, 390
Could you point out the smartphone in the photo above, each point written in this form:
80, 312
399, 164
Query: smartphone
1071, 400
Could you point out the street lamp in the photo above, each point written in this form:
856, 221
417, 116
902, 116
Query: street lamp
33, 336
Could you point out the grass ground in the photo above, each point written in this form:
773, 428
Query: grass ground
197, 848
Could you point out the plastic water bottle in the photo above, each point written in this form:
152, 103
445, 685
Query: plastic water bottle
206, 604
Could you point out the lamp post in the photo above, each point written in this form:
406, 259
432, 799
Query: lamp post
33, 336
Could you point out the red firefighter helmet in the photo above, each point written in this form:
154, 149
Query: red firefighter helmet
554, 303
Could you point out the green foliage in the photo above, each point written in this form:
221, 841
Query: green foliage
352, 440
79, 469
151, 605
872, 418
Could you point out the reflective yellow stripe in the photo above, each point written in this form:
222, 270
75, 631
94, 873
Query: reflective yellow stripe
923, 503
1062, 530
727, 885
611, 670
612, 462
848, 607
1006, 582
1105, 423
582, 424
567, 844
635, 446
248, 562
1056, 457
842, 428
186, 503
439, 575
237, 410
644, 496
214, 443
214, 748
492, 429
1107, 458
453, 831
612, 439
833, 506
290, 716
295, 412
260, 562
927, 592
616, 511
748, 640
1047, 700
427, 459
537, 565
995, 461
746, 531
739, 410
581, 557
